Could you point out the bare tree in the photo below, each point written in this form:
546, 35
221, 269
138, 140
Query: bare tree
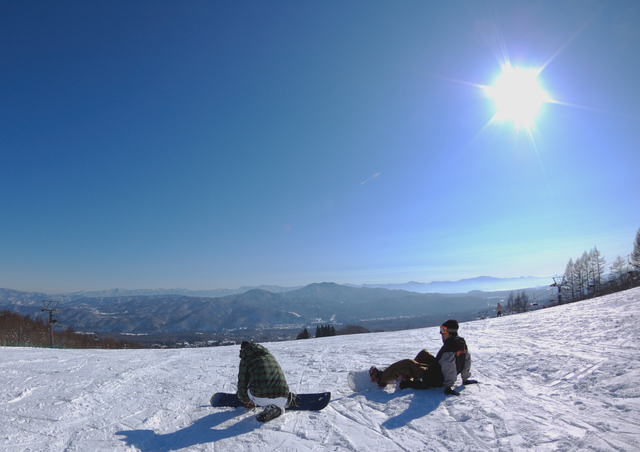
618, 268
580, 275
635, 254
524, 299
510, 302
598, 265
568, 286
517, 303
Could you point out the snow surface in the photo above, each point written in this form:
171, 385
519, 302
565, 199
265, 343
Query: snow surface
564, 378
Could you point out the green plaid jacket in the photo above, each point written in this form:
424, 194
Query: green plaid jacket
261, 373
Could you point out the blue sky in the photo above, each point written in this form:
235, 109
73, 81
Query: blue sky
221, 144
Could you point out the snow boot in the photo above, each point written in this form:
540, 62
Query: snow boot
270, 412
373, 373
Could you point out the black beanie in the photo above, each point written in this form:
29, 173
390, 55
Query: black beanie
452, 326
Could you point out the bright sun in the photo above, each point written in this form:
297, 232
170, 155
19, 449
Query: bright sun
517, 96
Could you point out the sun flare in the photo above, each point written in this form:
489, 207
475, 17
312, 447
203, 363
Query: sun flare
517, 96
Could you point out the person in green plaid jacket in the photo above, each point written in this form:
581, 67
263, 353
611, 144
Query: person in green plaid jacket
261, 381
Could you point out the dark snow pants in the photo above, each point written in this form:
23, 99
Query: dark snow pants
407, 368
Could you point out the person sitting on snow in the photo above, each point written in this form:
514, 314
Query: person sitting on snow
261, 382
428, 371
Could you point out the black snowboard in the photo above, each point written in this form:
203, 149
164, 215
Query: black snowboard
306, 402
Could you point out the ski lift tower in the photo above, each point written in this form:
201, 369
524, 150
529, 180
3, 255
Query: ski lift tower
558, 282
51, 307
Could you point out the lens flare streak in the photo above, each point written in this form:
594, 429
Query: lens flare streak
371, 178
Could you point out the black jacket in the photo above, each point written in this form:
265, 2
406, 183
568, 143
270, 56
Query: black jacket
452, 359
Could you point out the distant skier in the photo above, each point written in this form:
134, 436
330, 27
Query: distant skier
261, 382
427, 371
499, 310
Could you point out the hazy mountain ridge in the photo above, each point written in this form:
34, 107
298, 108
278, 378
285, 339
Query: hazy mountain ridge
480, 283
210, 293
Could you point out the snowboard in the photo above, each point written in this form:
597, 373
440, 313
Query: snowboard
303, 402
360, 380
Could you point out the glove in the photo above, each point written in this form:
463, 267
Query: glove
249, 405
449, 391
469, 382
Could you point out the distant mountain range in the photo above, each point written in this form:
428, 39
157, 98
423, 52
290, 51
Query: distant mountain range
135, 312
483, 283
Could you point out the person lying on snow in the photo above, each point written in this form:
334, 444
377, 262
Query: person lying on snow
261, 382
428, 371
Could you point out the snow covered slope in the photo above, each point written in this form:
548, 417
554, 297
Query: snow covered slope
566, 378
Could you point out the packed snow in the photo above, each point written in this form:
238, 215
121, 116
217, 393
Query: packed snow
564, 378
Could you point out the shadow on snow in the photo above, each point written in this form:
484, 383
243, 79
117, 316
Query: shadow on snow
201, 431
422, 403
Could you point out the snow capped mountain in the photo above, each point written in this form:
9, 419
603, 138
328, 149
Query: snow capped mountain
563, 378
